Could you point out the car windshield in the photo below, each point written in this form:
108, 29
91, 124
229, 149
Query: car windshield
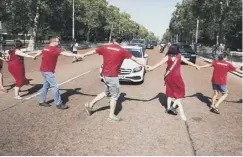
186, 49
136, 44
135, 53
138, 41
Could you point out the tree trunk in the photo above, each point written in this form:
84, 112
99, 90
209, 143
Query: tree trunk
33, 38
87, 35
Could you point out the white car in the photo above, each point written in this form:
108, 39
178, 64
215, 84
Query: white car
131, 71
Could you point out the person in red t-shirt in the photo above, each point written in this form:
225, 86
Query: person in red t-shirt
113, 56
50, 55
1, 75
219, 80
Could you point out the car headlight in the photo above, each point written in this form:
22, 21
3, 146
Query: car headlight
137, 69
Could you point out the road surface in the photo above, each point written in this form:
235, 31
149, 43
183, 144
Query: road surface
28, 129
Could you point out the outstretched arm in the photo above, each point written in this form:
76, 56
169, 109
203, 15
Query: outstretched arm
38, 53
137, 61
70, 54
205, 66
3, 59
238, 70
20, 53
189, 63
164, 60
89, 53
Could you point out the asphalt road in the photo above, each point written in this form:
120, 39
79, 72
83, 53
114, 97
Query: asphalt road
27, 129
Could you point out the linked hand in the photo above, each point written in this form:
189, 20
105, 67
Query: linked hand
148, 68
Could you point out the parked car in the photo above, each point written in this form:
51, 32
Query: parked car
150, 45
131, 71
186, 51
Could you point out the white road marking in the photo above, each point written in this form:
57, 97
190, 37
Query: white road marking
34, 95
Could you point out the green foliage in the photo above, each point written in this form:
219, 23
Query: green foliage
221, 18
94, 19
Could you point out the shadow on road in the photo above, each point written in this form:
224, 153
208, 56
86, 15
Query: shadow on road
34, 89
202, 98
70, 92
207, 100
11, 86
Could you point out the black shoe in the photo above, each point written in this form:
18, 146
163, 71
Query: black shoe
44, 104
62, 106
173, 111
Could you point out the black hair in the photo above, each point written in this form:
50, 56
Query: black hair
173, 50
222, 56
17, 45
117, 39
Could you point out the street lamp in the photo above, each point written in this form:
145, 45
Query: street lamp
73, 21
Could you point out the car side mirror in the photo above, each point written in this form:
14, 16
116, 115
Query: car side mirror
146, 56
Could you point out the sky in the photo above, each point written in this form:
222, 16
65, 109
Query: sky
153, 14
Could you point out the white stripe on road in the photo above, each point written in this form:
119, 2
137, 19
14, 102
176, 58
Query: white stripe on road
32, 96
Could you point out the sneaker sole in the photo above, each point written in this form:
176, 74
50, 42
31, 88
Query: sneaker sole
113, 120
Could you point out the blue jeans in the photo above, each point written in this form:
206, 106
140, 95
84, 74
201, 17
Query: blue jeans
220, 88
49, 81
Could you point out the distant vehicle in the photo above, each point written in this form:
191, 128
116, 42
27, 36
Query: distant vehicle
150, 45
141, 41
138, 44
186, 51
131, 71
155, 42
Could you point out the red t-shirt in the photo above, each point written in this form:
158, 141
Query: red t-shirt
221, 68
49, 58
113, 56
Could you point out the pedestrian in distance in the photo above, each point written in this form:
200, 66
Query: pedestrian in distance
75, 50
50, 55
16, 67
113, 56
219, 80
175, 87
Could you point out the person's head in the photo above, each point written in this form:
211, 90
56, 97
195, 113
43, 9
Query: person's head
18, 44
223, 56
116, 41
169, 44
54, 41
173, 50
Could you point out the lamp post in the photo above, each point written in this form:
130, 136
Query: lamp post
73, 36
195, 46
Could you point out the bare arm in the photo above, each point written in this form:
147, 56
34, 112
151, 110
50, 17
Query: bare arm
20, 53
137, 61
163, 61
89, 53
189, 63
238, 70
70, 54
38, 53
206, 66
3, 59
